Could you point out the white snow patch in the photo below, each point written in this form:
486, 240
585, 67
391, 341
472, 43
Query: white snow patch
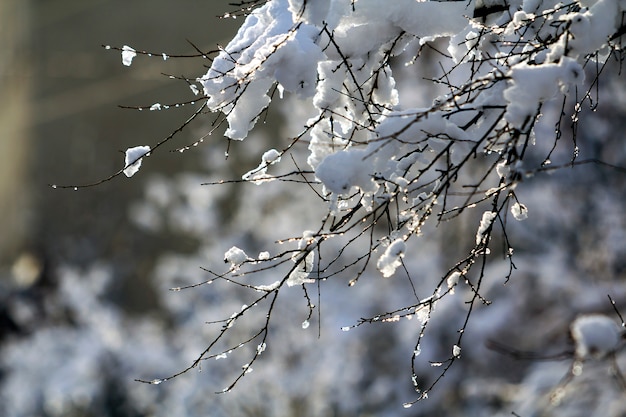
235, 256
300, 274
519, 211
128, 54
132, 160
259, 174
485, 222
392, 258
535, 84
456, 351
453, 281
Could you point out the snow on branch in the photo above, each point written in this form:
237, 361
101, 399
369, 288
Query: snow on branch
386, 172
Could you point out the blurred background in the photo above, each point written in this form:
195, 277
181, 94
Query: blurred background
84, 275
62, 124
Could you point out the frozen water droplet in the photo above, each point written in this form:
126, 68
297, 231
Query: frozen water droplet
156, 381
407, 405
345, 329
305, 324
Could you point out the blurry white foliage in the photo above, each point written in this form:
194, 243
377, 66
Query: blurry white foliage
596, 336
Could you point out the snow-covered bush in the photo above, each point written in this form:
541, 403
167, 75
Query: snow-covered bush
377, 180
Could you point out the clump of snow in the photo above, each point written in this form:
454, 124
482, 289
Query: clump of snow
456, 351
346, 169
453, 281
503, 169
259, 174
591, 27
236, 257
519, 211
391, 259
595, 336
286, 42
304, 259
264, 51
485, 223
399, 133
531, 85
132, 160
128, 54
300, 274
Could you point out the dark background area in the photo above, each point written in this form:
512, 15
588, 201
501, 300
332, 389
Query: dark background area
62, 125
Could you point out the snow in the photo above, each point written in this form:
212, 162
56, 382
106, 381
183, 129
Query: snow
391, 259
303, 258
270, 287
259, 174
591, 28
133, 157
300, 274
380, 152
456, 351
236, 257
346, 169
596, 336
266, 50
453, 281
128, 54
519, 211
532, 85
485, 223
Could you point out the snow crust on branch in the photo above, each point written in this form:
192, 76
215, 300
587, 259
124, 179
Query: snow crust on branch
335, 54
386, 168
236, 257
392, 258
133, 158
128, 54
280, 44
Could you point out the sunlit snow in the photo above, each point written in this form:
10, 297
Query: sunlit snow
391, 258
128, 54
133, 159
